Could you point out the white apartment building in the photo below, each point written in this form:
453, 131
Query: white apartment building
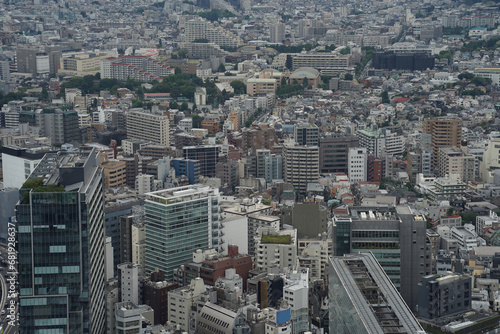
296, 295
180, 302
148, 126
465, 238
275, 249
313, 254
129, 275
357, 163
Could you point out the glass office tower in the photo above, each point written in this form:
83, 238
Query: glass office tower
178, 222
61, 238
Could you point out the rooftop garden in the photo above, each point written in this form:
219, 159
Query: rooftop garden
276, 239
38, 187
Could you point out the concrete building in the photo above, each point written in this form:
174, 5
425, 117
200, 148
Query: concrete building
81, 64
300, 165
130, 317
313, 254
277, 32
201, 29
193, 223
64, 257
152, 127
156, 295
363, 299
452, 160
357, 164
18, 163
445, 132
310, 219
490, 162
130, 281
377, 142
207, 155
442, 295
275, 249
296, 296
216, 319
140, 68
333, 153
306, 134
326, 63
261, 86
396, 237
61, 126
181, 300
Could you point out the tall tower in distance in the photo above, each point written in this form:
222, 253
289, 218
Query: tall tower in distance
61, 240
277, 33
445, 132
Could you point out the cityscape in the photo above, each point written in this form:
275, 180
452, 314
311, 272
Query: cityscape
249, 166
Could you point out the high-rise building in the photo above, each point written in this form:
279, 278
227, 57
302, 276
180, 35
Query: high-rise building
207, 155
445, 132
61, 240
26, 60
357, 164
333, 153
4, 71
396, 237
363, 299
178, 222
153, 127
277, 32
130, 279
377, 142
306, 134
300, 165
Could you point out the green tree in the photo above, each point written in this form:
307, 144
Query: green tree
184, 106
345, 51
174, 105
465, 76
348, 76
44, 96
221, 68
305, 82
239, 87
197, 119
385, 97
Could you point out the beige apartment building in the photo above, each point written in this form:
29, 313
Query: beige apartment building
445, 132
152, 127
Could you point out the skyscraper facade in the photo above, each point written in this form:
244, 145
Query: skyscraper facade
61, 240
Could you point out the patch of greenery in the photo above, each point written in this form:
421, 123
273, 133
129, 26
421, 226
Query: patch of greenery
276, 239
213, 15
490, 44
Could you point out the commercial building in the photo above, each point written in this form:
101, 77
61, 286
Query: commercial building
207, 155
148, 126
18, 163
61, 246
306, 134
363, 299
445, 132
188, 168
216, 319
300, 165
178, 222
81, 64
130, 281
357, 164
261, 86
402, 61
442, 295
60, 126
333, 153
396, 237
